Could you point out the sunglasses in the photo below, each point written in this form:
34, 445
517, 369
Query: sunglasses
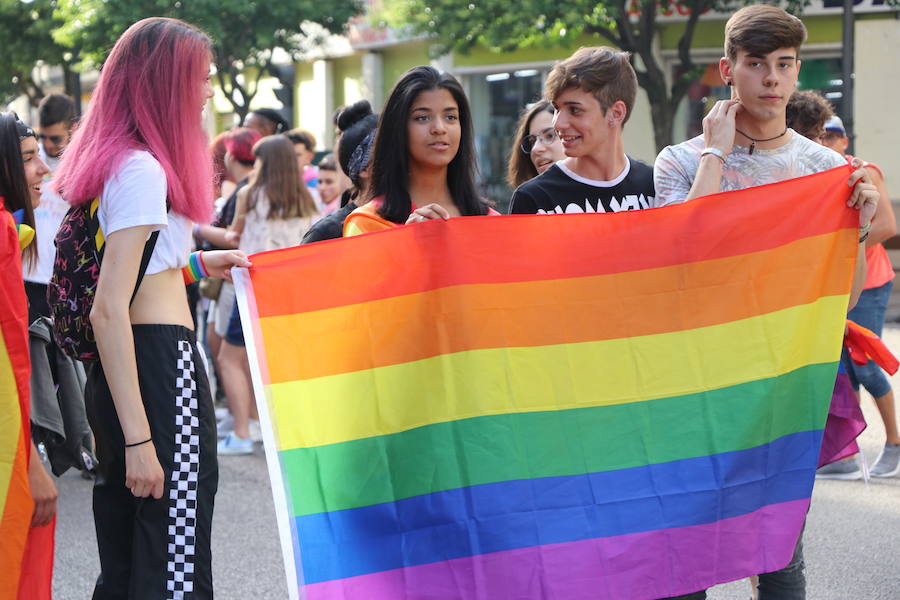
54, 139
546, 137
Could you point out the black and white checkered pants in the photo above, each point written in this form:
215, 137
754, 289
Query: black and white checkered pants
149, 548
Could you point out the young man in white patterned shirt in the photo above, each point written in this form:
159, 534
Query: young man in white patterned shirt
747, 143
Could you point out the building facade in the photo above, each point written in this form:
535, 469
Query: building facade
499, 85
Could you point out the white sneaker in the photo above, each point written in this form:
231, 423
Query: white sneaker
225, 426
221, 412
232, 445
255, 431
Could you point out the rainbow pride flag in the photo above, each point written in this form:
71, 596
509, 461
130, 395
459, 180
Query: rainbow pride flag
16, 504
567, 407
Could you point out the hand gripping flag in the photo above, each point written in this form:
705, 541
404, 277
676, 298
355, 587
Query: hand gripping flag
576, 406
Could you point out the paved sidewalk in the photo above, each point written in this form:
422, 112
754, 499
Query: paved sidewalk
852, 535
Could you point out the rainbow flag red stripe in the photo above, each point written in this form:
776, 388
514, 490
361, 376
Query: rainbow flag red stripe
578, 406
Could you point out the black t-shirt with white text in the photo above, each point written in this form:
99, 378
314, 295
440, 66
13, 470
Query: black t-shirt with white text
558, 190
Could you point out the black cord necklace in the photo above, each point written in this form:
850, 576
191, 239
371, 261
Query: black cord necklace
753, 141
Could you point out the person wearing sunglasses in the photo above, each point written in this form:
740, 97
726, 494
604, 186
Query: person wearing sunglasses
536, 146
593, 94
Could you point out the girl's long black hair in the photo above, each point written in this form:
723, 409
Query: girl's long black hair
13, 187
390, 162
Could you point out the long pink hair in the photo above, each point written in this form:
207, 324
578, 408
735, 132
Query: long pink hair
149, 97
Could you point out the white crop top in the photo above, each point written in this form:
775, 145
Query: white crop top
136, 195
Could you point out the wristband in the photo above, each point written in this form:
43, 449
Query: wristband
139, 443
865, 228
195, 269
715, 152
864, 237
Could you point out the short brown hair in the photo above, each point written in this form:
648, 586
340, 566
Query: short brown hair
760, 29
602, 71
807, 112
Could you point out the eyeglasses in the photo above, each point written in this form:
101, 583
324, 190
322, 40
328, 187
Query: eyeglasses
54, 139
546, 137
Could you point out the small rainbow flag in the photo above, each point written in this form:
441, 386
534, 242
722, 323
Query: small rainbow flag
575, 406
16, 504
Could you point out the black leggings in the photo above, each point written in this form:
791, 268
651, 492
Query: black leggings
153, 549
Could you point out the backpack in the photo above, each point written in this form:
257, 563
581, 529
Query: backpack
76, 268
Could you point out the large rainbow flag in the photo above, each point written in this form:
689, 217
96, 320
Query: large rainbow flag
16, 504
562, 407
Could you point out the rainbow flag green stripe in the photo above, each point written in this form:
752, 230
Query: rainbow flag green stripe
553, 443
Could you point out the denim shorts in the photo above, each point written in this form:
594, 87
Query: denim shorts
234, 334
869, 312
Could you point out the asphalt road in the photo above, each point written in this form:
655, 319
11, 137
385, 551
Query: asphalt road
852, 540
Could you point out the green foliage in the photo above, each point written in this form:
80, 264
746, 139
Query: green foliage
25, 37
502, 26
245, 34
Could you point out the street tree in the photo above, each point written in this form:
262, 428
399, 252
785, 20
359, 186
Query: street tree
631, 25
246, 36
27, 41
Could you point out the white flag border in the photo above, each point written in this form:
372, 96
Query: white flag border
256, 355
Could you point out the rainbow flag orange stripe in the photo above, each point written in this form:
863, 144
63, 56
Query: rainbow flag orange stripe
16, 504
578, 406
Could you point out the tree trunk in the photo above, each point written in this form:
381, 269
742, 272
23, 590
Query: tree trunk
72, 80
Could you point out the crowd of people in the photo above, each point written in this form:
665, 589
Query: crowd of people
163, 217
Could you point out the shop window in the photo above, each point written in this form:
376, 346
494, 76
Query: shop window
497, 100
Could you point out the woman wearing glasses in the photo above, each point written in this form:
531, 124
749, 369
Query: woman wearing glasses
536, 146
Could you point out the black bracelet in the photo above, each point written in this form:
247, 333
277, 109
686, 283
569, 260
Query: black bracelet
864, 237
138, 443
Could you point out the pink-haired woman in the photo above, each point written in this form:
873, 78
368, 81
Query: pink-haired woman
142, 151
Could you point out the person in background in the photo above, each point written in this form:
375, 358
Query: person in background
357, 125
423, 163
309, 172
267, 121
56, 115
223, 185
21, 173
305, 151
273, 211
536, 146
238, 162
332, 183
869, 312
806, 113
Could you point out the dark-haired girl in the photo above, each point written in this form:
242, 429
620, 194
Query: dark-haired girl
21, 173
423, 166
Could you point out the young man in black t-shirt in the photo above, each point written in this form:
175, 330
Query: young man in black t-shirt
593, 93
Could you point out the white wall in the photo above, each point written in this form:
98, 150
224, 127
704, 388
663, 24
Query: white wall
877, 97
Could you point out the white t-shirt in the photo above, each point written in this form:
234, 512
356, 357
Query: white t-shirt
676, 166
136, 195
47, 218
